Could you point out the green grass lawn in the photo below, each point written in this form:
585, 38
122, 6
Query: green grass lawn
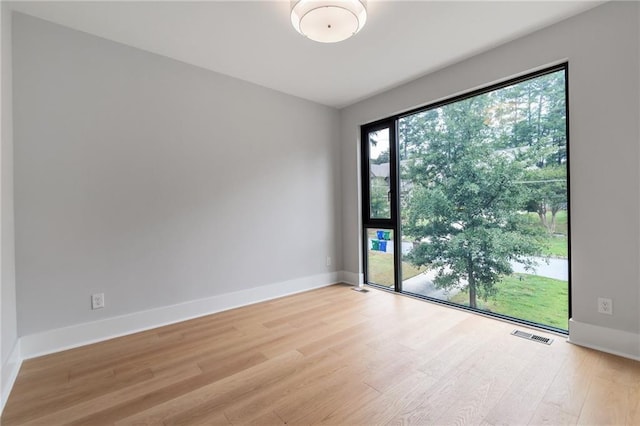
557, 247
562, 221
529, 297
381, 268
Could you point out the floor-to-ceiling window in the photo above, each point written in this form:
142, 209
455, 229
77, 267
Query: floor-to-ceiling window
467, 200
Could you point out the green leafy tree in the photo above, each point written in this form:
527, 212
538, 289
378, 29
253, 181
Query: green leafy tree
469, 172
379, 202
382, 158
465, 205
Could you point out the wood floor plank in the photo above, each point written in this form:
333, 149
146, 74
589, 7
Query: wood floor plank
633, 416
553, 415
328, 356
58, 399
321, 404
76, 413
568, 390
519, 402
155, 397
494, 373
618, 370
197, 406
607, 403
267, 419
403, 397
310, 371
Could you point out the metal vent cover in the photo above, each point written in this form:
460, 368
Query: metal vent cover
529, 336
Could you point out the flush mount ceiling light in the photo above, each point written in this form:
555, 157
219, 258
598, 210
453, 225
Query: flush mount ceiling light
328, 21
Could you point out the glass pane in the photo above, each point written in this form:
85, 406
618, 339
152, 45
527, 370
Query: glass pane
379, 182
380, 257
484, 201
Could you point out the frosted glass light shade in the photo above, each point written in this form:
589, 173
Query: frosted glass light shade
328, 21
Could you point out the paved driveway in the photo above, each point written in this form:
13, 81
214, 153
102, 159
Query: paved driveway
556, 268
423, 283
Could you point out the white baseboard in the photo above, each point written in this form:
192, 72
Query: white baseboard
10, 371
352, 278
616, 342
56, 340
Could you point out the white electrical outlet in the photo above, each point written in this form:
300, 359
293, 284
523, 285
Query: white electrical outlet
328, 263
97, 301
605, 306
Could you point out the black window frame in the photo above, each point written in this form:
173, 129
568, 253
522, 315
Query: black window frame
394, 222
367, 220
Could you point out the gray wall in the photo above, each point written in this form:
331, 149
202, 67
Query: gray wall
8, 336
601, 46
157, 182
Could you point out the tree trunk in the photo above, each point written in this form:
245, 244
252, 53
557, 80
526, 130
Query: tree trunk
542, 214
529, 111
515, 120
473, 299
539, 124
552, 226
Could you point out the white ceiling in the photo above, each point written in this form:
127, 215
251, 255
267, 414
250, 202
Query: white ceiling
254, 41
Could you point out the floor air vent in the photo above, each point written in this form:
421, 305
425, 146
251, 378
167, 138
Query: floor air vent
529, 336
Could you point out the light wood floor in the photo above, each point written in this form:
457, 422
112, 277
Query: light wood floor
330, 356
